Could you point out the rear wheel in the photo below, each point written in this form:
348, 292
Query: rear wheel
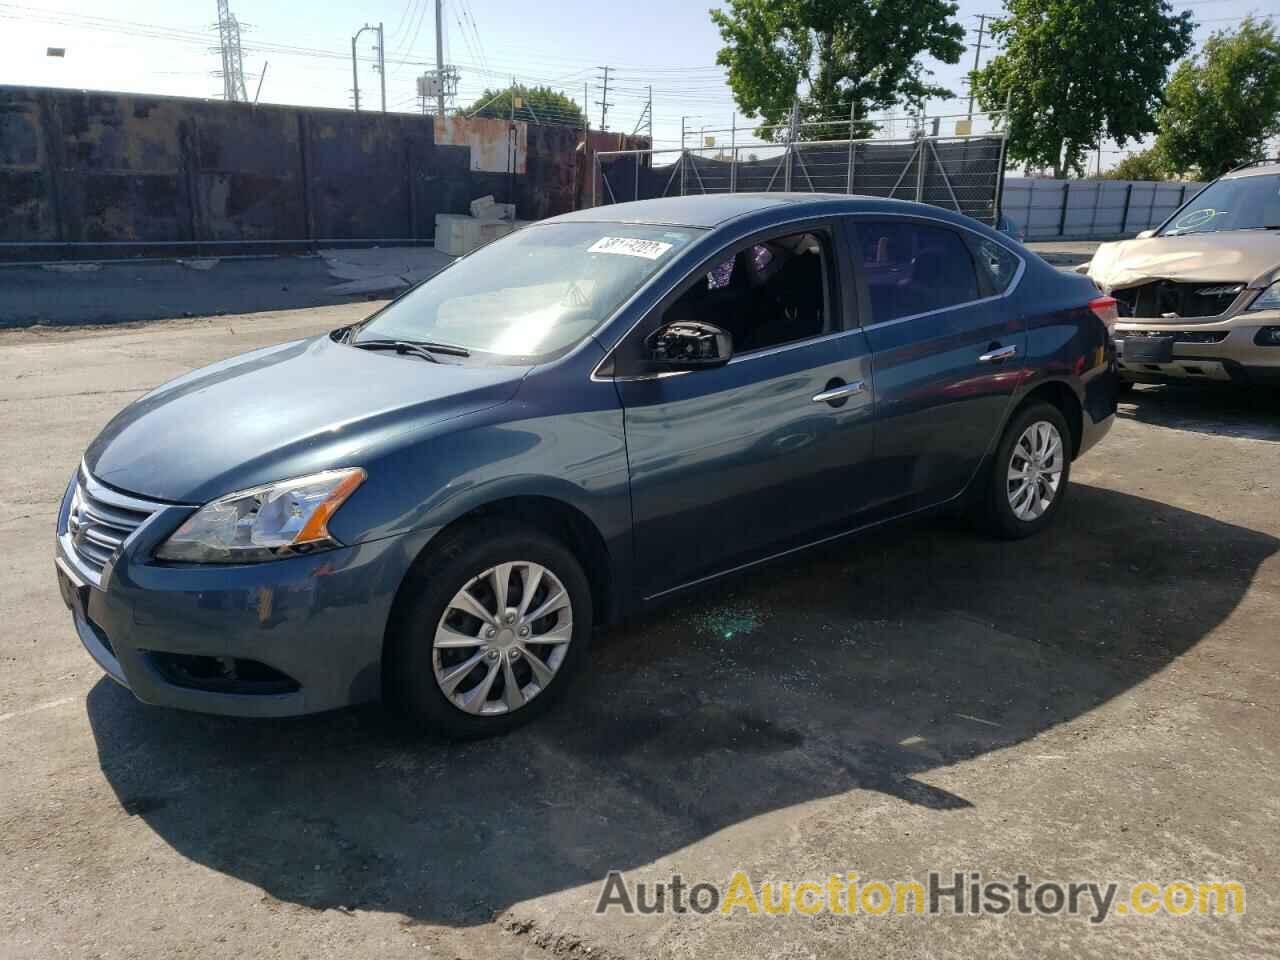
1030, 472
496, 622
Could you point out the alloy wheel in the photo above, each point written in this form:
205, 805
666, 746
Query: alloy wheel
502, 638
1035, 470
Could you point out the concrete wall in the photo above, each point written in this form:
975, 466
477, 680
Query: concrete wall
96, 168
1079, 209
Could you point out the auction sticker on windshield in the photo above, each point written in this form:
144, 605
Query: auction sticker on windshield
630, 247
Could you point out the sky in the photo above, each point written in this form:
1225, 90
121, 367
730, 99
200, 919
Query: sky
167, 47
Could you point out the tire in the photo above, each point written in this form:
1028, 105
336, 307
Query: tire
998, 514
431, 611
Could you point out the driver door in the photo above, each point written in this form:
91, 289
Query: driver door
734, 463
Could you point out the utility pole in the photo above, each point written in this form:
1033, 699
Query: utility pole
603, 103
355, 75
682, 157
262, 76
511, 147
440, 59
977, 57
646, 115
586, 111
382, 68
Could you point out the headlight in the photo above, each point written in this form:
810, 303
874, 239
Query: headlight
1268, 299
264, 523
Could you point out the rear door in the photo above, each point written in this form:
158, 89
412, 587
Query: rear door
947, 352
737, 462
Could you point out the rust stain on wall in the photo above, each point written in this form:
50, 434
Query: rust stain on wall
490, 140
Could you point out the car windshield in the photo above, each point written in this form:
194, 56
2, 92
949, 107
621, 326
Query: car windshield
1246, 203
533, 293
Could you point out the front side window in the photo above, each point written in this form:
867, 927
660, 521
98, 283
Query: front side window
1246, 203
534, 293
913, 268
768, 294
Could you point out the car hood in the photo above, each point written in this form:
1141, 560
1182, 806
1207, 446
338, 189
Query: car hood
1230, 256
280, 412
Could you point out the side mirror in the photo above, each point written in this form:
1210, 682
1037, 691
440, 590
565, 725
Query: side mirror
1145, 234
690, 345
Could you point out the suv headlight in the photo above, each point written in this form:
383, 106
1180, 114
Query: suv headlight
264, 523
1268, 299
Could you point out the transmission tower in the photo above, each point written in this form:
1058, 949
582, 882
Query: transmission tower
232, 72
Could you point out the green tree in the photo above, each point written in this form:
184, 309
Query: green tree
1074, 68
858, 55
1222, 105
538, 105
1149, 164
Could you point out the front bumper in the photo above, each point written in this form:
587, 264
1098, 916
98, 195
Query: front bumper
1233, 354
316, 621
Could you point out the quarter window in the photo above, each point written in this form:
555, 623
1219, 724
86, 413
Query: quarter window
999, 265
913, 268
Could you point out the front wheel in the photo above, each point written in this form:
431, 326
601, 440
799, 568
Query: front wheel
495, 622
1030, 472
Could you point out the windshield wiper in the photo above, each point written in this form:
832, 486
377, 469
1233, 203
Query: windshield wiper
419, 348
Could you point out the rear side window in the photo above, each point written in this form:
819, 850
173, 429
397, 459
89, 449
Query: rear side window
913, 268
998, 264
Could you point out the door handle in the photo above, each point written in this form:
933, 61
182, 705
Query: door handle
842, 392
999, 355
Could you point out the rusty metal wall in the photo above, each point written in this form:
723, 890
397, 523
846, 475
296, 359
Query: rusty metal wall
85, 167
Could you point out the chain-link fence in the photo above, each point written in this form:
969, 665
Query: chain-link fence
960, 173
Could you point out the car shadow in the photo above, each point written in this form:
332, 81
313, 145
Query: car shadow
858, 667
1220, 409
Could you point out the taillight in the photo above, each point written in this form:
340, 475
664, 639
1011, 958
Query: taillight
1106, 309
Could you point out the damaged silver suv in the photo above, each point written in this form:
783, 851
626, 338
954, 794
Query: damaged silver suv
1199, 296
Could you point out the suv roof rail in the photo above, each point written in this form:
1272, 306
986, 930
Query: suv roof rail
1255, 163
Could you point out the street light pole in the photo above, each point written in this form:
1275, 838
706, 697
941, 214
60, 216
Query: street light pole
355, 72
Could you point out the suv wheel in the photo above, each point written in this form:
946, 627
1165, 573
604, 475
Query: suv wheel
1029, 474
497, 620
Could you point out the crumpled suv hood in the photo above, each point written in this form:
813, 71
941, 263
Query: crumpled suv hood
281, 412
1251, 257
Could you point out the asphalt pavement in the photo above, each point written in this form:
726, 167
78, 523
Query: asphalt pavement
1100, 703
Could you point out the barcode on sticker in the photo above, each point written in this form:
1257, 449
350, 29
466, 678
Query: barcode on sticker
630, 247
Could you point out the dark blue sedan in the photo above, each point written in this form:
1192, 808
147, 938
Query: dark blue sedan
437, 505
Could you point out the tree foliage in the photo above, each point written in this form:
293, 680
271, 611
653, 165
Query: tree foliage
1222, 105
847, 54
1149, 164
1073, 68
539, 105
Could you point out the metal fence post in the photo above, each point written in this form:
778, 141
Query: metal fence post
595, 175
1124, 217
791, 139
853, 114
1062, 215
733, 155
920, 168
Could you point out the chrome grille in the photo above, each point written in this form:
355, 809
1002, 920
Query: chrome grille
99, 521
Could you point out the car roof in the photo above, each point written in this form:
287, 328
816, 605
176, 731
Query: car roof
709, 211
1262, 168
